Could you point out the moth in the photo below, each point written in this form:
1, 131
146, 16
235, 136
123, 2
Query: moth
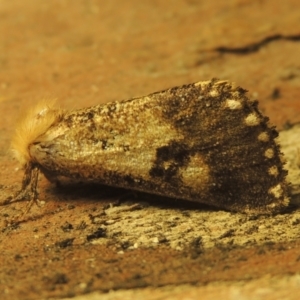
204, 142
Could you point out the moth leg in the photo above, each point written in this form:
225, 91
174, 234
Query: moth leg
32, 186
29, 187
28, 190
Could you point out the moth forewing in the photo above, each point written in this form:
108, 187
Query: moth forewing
204, 142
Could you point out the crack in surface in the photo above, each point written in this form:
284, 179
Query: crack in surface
254, 47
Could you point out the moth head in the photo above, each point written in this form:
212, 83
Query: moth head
35, 122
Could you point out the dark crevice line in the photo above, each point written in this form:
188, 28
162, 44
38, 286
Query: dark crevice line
254, 47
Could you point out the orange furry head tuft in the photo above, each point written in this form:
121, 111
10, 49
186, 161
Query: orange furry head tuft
36, 122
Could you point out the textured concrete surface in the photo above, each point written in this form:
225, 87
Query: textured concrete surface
95, 239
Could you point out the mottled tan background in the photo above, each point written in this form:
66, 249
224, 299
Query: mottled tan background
97, 239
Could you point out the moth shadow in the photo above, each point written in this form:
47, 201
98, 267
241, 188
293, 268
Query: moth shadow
93, 192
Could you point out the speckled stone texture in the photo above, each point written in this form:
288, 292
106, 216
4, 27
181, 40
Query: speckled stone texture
96, 239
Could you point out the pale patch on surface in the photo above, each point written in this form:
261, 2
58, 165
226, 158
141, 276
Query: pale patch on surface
143, 227
267, 287
289, 140
252, 120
